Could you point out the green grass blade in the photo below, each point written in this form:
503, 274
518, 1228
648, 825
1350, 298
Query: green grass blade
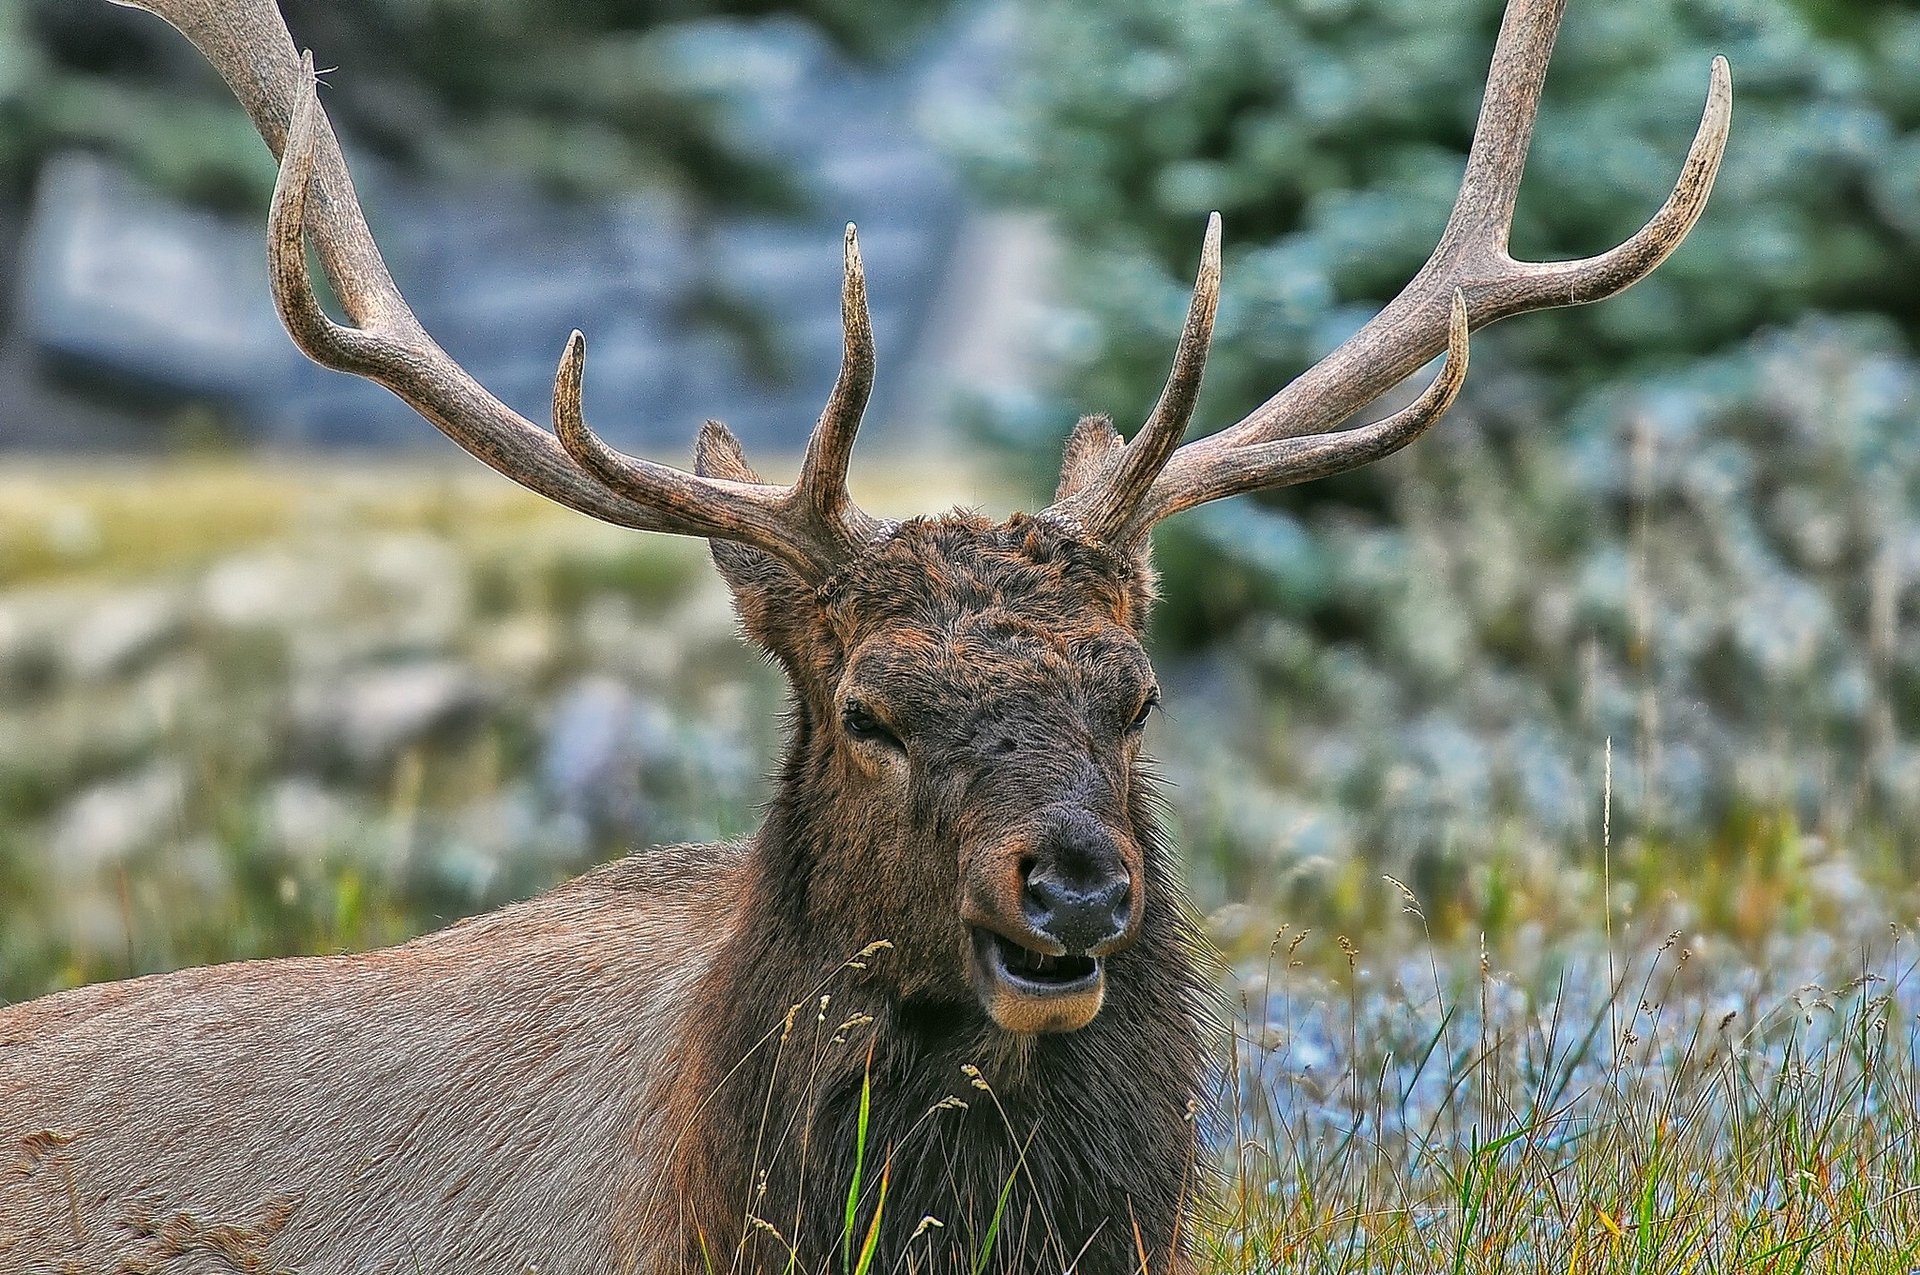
993, 1228
872, 1241
859, 1163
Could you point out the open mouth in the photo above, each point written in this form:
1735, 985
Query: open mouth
1030, 973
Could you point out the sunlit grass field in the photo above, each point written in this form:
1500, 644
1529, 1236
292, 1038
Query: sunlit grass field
247, 711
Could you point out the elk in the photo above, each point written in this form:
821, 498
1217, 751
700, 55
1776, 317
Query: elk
951, 977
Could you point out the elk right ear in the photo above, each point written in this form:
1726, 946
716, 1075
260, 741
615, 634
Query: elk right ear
773, 602
1091, 450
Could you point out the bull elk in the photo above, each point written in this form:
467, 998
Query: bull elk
947, 992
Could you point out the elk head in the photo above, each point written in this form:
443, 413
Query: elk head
970, 694
965, 774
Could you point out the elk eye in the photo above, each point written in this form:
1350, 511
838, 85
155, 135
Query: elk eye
1146, 710
861, 724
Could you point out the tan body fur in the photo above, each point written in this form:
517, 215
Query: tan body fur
252, 1117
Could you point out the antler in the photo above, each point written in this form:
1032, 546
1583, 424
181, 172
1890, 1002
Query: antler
812, 525
1471, 280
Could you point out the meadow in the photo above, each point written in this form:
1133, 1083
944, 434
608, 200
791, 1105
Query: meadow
253, 710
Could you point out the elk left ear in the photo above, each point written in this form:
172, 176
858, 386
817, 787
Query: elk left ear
1090, 455
771, 599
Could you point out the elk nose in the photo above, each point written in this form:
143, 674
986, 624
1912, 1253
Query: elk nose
1079, 910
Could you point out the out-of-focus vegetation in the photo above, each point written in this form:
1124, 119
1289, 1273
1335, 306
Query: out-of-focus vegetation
588, 98
1686, 520
246, 712
249, 711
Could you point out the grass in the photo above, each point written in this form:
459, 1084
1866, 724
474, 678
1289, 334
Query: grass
1651, 1058
1669, 1119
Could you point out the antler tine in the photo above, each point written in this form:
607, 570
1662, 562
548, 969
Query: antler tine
1471, 261
312, 329
248, 43
812, 525
1104, 509
821, 489
1598, 277
681, 496
763, 515
313, 195
1503, 134
1284, 462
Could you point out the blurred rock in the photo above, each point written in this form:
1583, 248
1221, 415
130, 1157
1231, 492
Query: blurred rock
118, 277
125, 285
306, 821
1233, 922
509, 839
110, 823
123, 631
422, 586
370, 717
1838, 885
706, 619
620, 642
268, 589
197, 863
521, 649
590, 745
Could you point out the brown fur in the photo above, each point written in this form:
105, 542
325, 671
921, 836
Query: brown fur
661, 1064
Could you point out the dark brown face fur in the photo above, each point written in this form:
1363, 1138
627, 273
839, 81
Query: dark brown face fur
971, 697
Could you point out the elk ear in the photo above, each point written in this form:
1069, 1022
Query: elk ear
1091, 451
772, 601
717, 454
1091, 448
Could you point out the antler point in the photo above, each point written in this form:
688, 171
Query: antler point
856, 274
569, 420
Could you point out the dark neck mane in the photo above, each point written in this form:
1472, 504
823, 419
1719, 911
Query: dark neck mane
1095, 1129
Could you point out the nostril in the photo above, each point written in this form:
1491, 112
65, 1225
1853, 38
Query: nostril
1043, 891
1077, 912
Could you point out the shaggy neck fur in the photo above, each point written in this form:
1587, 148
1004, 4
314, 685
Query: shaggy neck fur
1095, 1130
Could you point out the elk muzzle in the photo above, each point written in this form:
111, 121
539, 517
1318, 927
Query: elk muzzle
1045, 908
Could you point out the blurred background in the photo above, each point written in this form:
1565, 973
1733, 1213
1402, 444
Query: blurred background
281, 671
